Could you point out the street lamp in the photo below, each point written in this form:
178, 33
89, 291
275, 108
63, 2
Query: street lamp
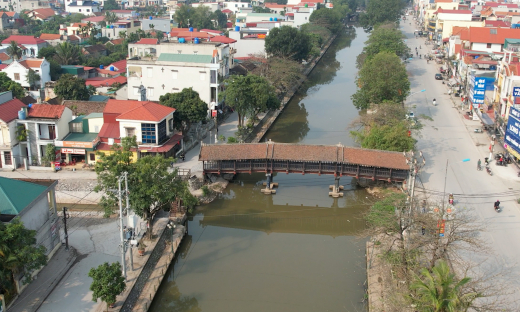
171, 226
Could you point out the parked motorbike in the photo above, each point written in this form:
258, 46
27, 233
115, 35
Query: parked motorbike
477, 130
488, 170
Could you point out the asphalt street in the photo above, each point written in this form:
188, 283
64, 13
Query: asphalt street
449, 138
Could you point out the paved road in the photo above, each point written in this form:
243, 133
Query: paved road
450, 137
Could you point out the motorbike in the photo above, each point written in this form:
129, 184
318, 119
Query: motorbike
486, 161
498, 209
477, 130
434, 102
488, 170
450, 201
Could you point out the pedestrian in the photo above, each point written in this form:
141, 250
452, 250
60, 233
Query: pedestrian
479, 163
493, 137
183, 156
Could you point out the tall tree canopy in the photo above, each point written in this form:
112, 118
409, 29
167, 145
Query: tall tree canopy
249, 95
6, 84
330, 19
67, 54
384, 38
382, 11
69, 87
107, 282
383, 78
189, 108
288, 42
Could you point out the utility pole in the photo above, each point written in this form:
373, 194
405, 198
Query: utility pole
127, 213
121, 230
65, 228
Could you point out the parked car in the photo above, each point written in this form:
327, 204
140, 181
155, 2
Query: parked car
438, 77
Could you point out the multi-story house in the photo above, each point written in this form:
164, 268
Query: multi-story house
125, 13
29, 44
123, 25
9, 149
82, 7
168, 67
26, 5
43, 124
43, 14
18, 71
151, 124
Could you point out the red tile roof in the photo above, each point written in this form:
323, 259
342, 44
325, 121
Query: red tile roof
45, 111
4, 57
9, 110
23, 40
193, 34
10, 14
44, 13
483, 34
226, 11
119, 65
104, 82
120, 106
441, 10
109, 130
211, 31
94, 19
106, 72
289, 14
502, 24
496, 4
32, 63
147, 111
277, 6
148, 41
2, 66
50, 36
116, 41
222, 39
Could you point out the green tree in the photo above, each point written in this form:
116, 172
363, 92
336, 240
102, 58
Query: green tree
259, 9
221, 18
47, 53
6, 84
382, 11
67, 54
440, 290
283, 74
330, 19
249, 95
13, 50
159, 35
189, 108
201, 17
107, 282
32, 78
288, 42
383, 78
69, 87
182, 15
110, 17
55, 70
110, 5
19, 252
384, 38
387, 137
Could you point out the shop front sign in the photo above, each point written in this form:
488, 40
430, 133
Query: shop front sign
75, 144
512, 137
73, 151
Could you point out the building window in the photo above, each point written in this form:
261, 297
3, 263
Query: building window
88, 10
213, 76
174, 74
7, 158
148, 133
92, 157
170, 124
110, 141
16, 76
162, 132
150, 92
76, 127
130, 132
489, 45
79, 10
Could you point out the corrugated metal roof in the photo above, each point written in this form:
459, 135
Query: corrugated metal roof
94, 115
16, 195
80, 137
184, 58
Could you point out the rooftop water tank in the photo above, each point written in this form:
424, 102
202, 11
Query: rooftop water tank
21, 114
191, 29
306, 5
151, 17
101, 66
30, 105
237, 28
271, 19
196, 40
108, 26
112, 68
276, 19
238, 21
182, 40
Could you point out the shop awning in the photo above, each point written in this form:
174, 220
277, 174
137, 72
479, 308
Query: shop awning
487, 120
166, 147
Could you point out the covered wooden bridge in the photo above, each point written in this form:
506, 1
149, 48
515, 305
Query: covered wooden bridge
337, 160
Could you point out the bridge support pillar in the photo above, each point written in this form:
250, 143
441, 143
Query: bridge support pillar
337, 190
269, 185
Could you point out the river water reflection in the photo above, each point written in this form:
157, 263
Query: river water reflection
296, 250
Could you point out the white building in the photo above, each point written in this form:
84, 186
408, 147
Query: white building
18, 71
29, 44
171, 67
213, 6
249, 41
9, 149
45, 124
82, 7
235, 6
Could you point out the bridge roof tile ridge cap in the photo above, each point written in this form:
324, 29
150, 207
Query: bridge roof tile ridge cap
371, 149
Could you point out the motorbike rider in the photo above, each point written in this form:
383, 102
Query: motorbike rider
501, 160
451, 199
497, 204
434, 102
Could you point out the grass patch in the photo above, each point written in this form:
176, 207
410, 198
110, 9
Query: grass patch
423, 116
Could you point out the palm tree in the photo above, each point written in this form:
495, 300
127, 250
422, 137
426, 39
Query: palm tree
32, 78
110, 17
13, 50
67, 54
122, 35
440, 291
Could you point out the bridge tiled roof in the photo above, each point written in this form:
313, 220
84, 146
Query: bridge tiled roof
300, 152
